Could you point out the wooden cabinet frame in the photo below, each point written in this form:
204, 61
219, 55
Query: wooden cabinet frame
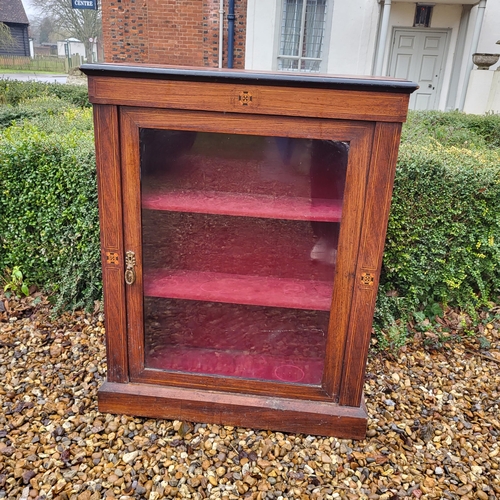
366, 113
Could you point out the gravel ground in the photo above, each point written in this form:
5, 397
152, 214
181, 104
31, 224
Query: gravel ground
433, 431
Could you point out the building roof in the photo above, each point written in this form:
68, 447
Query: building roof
12, 11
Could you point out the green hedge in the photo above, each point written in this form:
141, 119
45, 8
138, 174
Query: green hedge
453, 129
38, 110
14, 92
443, 237
48, 201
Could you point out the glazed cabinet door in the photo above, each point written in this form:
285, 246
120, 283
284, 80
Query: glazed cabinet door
241, 240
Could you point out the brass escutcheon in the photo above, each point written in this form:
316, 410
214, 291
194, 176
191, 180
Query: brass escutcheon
130, 268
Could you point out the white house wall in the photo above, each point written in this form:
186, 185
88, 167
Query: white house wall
352, 35
490, 33
483, 87
447, 16
350, 41
262, 34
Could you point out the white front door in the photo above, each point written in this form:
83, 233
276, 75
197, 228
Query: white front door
418, 55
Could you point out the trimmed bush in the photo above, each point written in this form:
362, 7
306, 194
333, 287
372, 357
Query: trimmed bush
452, 129
38, 110
14, 92
48, 201
443, 239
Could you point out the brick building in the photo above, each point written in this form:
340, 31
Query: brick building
182, 32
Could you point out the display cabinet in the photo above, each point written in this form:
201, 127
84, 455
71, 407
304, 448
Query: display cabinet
243, 217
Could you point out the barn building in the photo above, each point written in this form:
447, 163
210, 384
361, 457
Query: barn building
13, 15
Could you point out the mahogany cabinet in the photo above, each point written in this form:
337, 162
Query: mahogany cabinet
243, 218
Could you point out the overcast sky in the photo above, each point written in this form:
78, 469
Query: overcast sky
30, 11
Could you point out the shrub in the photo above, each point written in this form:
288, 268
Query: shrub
443, 240
38, 109
453, 129
14, 92
48, 201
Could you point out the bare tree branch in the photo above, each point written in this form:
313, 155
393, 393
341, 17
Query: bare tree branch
82, 24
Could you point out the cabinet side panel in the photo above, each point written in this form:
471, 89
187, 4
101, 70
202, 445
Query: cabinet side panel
110, 211
350, 236
378, 201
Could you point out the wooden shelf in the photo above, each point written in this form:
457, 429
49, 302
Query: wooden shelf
238, 289
247, 205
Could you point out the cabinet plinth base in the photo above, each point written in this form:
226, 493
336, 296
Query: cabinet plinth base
244, 410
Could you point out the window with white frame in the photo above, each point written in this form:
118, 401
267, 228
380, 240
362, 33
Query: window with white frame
302, 34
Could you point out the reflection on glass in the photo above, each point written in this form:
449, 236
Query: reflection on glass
240, 237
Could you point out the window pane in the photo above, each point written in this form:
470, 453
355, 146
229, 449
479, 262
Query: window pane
314, 27
423, 15
302, 33
288, 64
309, 65
290, 30
239, 239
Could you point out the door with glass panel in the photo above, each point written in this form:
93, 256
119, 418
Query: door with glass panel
239, 241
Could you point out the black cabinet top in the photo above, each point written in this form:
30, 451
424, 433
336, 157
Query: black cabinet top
286, 79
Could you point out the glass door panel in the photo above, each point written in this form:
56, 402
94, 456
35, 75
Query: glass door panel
239, 238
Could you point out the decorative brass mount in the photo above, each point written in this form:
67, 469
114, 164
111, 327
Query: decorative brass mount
130, 268
367, 279
245, 98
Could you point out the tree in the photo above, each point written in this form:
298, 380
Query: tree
46, 29
82, 24
6, 39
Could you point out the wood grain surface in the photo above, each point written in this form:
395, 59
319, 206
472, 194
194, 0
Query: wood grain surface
262, 412
368, 119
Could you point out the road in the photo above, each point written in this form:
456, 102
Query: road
38, 77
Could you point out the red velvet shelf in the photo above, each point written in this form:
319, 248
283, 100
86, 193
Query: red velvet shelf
239, 289
247, 205
238, 364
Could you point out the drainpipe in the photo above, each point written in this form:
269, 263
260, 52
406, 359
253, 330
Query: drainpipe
221, 32
475, 41
230, 34
384, 28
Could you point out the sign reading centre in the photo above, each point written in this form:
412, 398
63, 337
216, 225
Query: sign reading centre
84, 4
